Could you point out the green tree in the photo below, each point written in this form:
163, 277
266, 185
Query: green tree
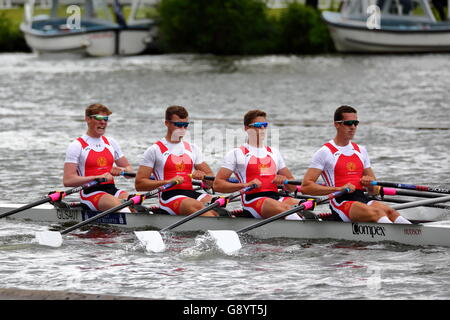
302, 31
216, 26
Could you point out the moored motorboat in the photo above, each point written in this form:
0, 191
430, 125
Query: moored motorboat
427, 233
88, 28
387, 26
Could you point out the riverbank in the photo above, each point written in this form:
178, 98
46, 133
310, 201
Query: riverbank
11, 38
21, 294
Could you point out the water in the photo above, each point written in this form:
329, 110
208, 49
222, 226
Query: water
402, 103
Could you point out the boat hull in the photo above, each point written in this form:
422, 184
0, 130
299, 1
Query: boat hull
131, 41
354, 36
433, 233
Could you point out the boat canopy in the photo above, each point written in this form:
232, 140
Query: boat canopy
142, 11
412, 10
88, 9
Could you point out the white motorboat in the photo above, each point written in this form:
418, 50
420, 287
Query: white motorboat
384, 26
88, 28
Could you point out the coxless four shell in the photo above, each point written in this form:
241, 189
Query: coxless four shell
425, 233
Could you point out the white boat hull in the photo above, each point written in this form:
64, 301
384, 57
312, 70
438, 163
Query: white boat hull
432, 233
355, 36
100, 43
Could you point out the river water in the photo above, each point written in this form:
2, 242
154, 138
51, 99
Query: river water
402, 103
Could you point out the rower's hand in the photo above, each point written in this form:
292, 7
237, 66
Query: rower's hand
116, 171
108, 176
198, 175
366, 180
254, 181
279, 179
373, 190
177, 179
350, 186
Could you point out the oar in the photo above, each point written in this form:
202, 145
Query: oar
396, 192
420, 203
54, 238
410, 187
293, 182
235, 180
128, 174
228, 240
397, 200
153, 241
53, 197
211, 178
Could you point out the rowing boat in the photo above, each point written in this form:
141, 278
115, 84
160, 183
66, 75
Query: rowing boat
426, 233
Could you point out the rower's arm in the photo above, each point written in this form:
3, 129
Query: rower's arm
125, 164
310, 187
204, 167
368, 176
72, 179
287, 173
222, 185
143, 182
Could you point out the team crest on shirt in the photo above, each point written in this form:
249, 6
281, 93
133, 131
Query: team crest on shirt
264, 168
180, 167
102, 162
351, 166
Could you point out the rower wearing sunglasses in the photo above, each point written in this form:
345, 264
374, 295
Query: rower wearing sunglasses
345, 164
255, 163
92, 156
172, 159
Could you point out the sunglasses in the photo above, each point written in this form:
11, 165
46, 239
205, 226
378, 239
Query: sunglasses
180, 124
349, 122
99, 117
259, 125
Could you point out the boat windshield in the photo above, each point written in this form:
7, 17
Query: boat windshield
142, 11
88, 9
411, 10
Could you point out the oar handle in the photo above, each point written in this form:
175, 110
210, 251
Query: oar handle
128, 174
211, 178
133, 200
410, 187
293, 182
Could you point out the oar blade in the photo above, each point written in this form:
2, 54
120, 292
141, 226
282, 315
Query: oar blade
226, 240
49, 238
152, 240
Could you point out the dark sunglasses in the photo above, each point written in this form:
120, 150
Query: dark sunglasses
349, 122
259, 125
180, 124
99, 117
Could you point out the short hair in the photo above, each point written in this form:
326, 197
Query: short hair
97, 108
178, 110
338, 114
252, 114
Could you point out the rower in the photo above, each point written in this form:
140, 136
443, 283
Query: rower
172, 159
93, 156
345, 164
255, 163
